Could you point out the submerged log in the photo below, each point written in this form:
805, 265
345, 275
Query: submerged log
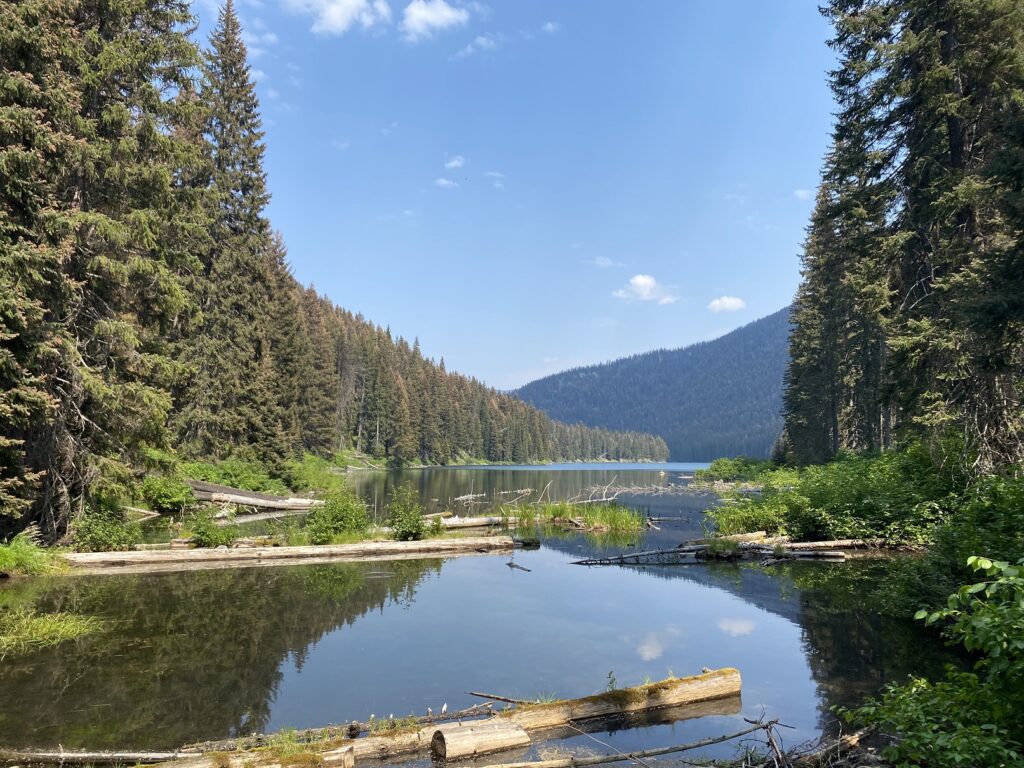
466, 740
197, 559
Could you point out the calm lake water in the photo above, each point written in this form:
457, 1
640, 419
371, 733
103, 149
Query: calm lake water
192, 656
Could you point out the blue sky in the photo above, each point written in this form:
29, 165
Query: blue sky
530, 185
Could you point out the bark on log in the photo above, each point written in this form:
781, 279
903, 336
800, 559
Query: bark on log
720, 686
466, 740
253, 501
471, 522
194, 559
54, 757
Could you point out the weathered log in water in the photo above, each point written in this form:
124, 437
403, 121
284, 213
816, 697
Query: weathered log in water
158, 561
574, 762
457, 741
223, 494
692, 554
62, 757
713, 692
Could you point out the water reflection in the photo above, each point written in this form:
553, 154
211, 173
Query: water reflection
190, 656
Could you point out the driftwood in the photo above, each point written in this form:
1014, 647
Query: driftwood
197, 559
575, 762
720, 686
820, 754
467, 740
61, 757
223, 494
691, 554
346, 730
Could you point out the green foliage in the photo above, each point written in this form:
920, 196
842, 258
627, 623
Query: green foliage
315, 473
105, 530
735, 469
237, 473
405, 515
897, 495
204, 531
343, 513
22, 556
23, 631
970, 718
167, 495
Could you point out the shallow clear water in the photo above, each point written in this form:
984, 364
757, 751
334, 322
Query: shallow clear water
202, 655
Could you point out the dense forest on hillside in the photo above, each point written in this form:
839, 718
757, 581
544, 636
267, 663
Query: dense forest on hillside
716, 398
910, 318
145, 302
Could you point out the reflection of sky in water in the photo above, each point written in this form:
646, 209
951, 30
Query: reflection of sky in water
557, 630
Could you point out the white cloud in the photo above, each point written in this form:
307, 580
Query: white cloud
736, 627
455, 162
257, 75
422, 18
727, 304
479, 43
272, 93
550, 27
803, 194
387, 129
604, 262
335, 17
258, 42
645, 288
651, 648
444, 183
494, 174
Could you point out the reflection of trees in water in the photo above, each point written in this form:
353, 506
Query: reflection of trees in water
186, 656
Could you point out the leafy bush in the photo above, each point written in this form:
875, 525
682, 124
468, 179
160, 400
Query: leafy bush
205, 532
342, 513
970, 718
741, 468
406, 515
22, 556
897, 495
247, 475
105, 530
166, 495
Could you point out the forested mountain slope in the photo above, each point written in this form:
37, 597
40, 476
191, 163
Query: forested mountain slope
715, 398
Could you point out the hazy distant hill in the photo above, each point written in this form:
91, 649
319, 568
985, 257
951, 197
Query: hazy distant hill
716, 398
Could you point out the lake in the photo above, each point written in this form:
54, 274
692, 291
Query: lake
203, 655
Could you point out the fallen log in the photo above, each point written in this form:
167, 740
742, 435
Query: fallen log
697, 694
62, 757
577, 762
223, 494
196, 559
451, 523
693, 554
467, 740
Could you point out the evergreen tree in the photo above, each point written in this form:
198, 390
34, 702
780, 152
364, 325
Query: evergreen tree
229, 404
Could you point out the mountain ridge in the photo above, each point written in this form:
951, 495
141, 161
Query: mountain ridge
721, 397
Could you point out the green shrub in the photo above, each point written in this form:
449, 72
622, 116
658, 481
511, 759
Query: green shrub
22, 556
105, 530
166, 495
406, 515
970, 718
237, 473
342, 513
204, 531
897, 495
741, 468
313, 473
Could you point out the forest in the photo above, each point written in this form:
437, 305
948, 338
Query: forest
716, 398
146, 303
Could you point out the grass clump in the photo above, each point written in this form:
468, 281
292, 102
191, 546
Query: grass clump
23, 631
405, 515
22, 556
612, 517
343, 515
105, 530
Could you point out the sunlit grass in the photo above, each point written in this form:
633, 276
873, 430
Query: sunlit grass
23, 557
603, 517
